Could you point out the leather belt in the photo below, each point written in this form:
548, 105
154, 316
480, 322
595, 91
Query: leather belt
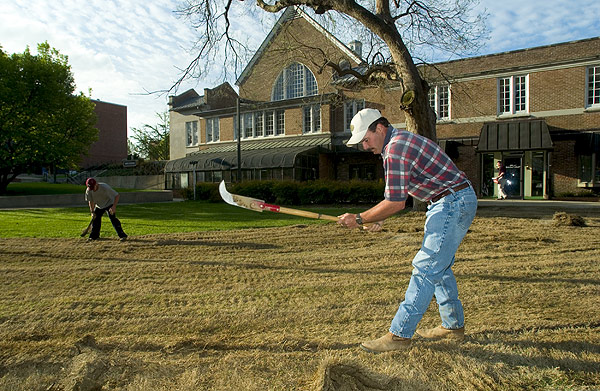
444, 193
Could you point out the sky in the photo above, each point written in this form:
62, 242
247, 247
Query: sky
122, 50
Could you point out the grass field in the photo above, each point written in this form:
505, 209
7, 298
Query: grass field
285, 307
142, 219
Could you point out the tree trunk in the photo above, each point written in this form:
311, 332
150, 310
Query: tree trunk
5, 179
419, 116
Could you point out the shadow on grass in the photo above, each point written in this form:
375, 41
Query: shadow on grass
483, 348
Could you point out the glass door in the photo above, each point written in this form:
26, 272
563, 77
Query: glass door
513, 185
537, 174
487, 173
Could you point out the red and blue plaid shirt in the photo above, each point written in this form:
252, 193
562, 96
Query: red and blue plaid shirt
414, 165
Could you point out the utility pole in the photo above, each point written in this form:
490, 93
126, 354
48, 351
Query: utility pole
193, 163
239, 141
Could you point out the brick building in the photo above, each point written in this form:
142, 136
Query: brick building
111, 146
537, 110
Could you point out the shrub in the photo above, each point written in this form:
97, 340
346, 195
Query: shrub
205, 191
311, 192
317, 192
256, 189
290, 193
286, 193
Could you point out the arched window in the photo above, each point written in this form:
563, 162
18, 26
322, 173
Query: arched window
295, 81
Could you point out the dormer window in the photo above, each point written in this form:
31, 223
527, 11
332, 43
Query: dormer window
295, 81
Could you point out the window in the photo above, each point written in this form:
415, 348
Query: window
439, 100
248, 125
593, 86
263, 124
311, 119
260, 124
295, 81
350, 109
191, 132
212, 130
588, 168
270, 124
512, 95
362, 171
280, 124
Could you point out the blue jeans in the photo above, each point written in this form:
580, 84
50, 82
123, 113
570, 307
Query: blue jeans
446, 224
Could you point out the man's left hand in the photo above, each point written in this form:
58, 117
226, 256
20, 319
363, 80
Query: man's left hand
348, 220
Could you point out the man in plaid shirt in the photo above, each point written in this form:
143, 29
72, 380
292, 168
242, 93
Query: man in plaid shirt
416, 166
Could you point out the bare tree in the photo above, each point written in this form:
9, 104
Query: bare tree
389, 27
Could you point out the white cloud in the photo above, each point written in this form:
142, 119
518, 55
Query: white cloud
118, 49
518, 24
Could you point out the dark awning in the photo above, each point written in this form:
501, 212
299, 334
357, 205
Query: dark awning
514, 135
256, 155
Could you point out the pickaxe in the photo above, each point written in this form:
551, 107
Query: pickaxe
259, 205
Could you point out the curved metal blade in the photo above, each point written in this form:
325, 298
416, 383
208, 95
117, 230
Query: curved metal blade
241, 201
225, 195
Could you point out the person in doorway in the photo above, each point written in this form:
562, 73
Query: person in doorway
500, 179
102, 198
416, 166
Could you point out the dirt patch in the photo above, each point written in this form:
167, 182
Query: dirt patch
334, 375
86, 368
563, 219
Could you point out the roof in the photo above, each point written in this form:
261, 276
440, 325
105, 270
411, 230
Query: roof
291, 13
514, 135
188, 99
277, 153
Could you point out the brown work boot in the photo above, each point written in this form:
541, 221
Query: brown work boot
442, 333
387, 343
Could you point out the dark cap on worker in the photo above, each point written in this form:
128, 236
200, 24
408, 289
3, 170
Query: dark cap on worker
91, 183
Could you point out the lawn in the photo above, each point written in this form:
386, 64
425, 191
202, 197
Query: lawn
142, 219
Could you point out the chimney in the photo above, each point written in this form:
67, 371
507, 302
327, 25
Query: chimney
356, 47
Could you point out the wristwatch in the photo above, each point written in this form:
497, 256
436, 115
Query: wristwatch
359, 219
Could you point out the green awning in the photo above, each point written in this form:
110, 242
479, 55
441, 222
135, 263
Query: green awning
514, 135
255, 155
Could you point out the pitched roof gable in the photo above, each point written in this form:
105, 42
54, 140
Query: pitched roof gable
289, 14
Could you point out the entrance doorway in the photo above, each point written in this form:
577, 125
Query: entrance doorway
526, 174
513, 185
535, 174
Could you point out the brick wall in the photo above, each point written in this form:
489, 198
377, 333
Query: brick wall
564, 167
111, 146
291, 45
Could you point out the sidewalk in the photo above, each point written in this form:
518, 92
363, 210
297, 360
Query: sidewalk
77, 200
536, 208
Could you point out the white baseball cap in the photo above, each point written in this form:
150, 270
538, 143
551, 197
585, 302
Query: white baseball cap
360, 124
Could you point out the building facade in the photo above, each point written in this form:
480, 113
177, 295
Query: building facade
535, 110
111, 146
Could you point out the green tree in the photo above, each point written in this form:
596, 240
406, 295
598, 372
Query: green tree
152, 141
42, 121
